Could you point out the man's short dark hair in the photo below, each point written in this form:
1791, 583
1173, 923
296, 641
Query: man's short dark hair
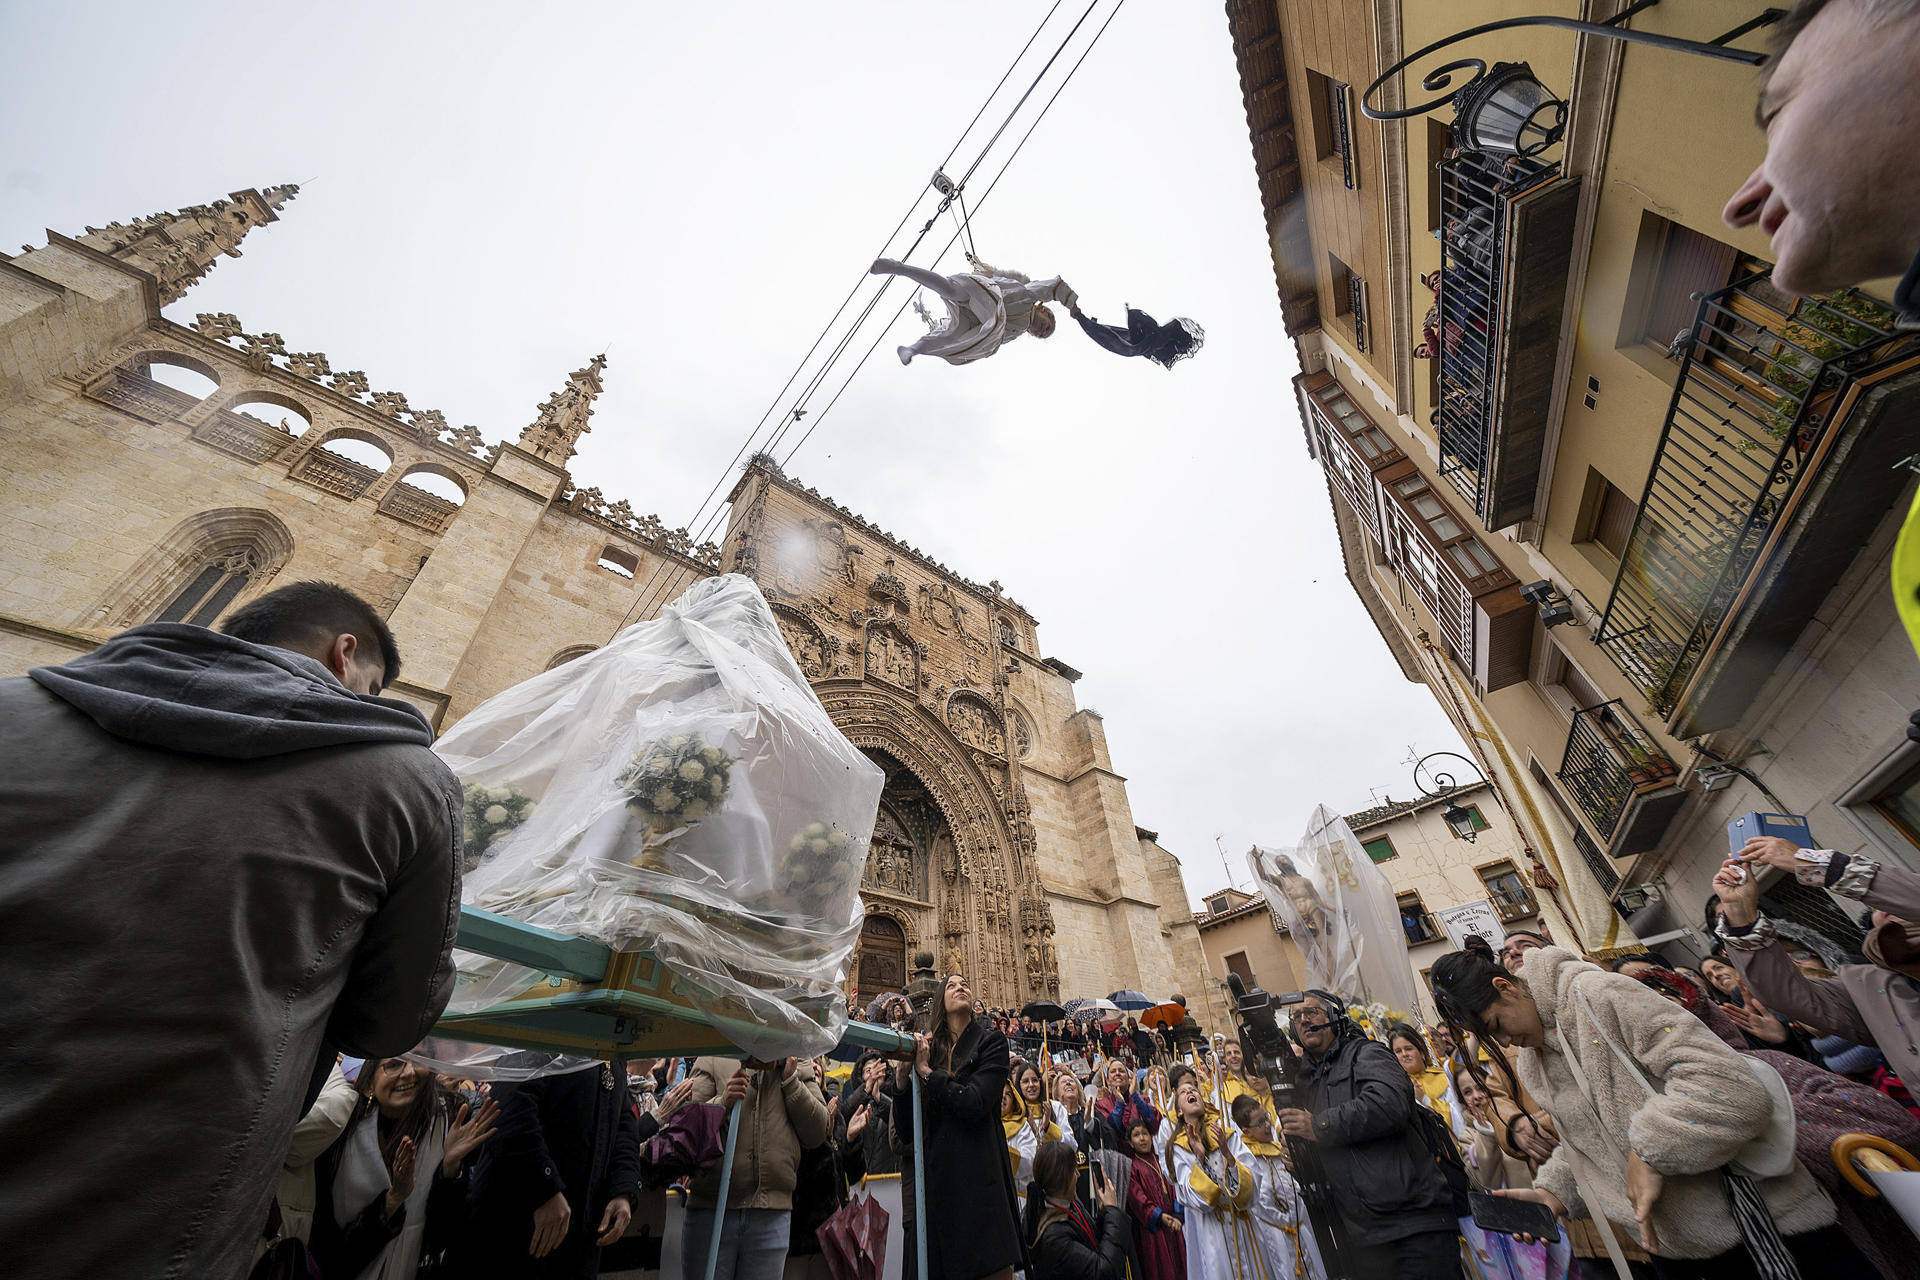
306, 616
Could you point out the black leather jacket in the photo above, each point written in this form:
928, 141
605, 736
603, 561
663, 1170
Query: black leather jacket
1382, 1176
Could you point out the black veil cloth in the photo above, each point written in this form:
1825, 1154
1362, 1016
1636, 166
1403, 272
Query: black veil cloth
1164, 344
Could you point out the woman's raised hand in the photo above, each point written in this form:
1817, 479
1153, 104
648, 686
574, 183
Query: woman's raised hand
399, 1177
465, 1134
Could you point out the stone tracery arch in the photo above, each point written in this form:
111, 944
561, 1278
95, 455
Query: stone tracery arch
978, 896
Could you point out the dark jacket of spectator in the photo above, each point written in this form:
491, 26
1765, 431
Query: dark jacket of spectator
974, 1229
575, 1135
1383, 1179
1077, 1246
215, 857
872, 1152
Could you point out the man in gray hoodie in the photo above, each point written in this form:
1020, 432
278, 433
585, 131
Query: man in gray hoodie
220, 856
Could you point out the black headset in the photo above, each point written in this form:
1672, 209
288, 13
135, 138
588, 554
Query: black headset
1337, 1016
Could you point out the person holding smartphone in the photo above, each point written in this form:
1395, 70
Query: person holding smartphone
1064, 1241
1656, 1114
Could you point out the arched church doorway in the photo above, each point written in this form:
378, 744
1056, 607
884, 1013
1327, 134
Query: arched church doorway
883, 959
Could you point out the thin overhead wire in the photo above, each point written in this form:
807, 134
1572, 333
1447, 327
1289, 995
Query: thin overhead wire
799, 411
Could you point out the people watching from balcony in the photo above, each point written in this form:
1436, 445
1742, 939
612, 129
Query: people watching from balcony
1869, 1004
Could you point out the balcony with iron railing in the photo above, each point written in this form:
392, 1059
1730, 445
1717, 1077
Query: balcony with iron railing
1776, 461
1506, 238
1620, 779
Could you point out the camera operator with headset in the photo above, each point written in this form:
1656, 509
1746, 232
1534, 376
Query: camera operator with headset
1357, 1109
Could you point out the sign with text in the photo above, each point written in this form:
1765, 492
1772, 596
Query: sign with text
1470, 918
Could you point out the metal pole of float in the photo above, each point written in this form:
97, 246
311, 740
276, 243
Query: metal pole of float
726, 1186
919, 1181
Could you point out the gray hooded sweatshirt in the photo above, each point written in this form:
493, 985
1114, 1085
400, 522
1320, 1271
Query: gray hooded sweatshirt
212, 856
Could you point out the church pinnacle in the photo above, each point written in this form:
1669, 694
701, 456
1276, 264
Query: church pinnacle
555, 434
178, 249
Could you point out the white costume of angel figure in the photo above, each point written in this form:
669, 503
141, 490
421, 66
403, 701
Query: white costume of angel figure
986, 308
1279, 1218
1025, 1133
1217, 1192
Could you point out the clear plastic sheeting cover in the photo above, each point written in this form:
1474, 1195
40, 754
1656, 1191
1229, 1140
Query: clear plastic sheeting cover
465, 1060
1343, 916
679, 791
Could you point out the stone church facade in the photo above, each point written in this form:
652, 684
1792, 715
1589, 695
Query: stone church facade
1004, 844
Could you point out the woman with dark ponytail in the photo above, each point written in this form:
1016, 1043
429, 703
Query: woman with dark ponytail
1063, 1241
1664, 1129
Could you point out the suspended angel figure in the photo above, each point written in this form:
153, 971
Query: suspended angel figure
986, 309
1164, 344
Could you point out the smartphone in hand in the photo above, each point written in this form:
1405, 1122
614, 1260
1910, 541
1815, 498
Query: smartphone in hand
1512, 1217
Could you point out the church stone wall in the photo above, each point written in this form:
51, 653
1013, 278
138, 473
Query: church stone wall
120, 490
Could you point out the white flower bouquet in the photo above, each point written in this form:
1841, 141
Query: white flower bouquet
680, 791
490, 813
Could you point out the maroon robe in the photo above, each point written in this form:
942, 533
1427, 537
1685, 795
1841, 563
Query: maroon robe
1161, 1249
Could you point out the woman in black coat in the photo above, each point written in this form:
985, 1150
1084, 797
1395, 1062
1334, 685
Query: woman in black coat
1067, 1243
962, 1062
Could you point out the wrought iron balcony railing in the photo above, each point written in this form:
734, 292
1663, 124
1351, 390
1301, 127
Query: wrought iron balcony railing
1764, 378
1609, 760
1506, 232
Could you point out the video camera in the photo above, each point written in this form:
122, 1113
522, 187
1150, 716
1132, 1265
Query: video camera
1263, 1043
1268, 1050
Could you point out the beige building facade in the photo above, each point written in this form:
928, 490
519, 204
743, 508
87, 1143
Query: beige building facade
1624, 506
160, 470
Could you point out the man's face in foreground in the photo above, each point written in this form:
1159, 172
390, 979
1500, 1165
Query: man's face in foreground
1839, 191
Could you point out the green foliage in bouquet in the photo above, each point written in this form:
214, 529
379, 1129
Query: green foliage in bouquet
677, 781
819, 865
490, 812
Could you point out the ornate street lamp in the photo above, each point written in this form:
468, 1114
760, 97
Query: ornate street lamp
1505, 110
1441, 786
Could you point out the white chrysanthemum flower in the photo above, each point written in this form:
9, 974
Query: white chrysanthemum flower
711, 755
678, 740
718, 786
495, 814
693, 770
817, 845
697, 810
797, 845
817, 829
658, 766
665, 800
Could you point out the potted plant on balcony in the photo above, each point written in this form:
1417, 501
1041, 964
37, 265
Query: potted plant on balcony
1834, 326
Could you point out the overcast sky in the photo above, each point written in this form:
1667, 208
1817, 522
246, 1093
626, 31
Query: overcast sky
491, 193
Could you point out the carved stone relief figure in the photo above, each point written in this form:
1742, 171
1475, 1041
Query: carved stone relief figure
976, 724
809, 650
891, 857
891, 657
836, 555
1036, 975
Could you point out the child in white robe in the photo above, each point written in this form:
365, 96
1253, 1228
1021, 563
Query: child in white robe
1216, 1190
1280, 1218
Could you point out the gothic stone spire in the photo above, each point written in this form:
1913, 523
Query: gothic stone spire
178, 249
555, 434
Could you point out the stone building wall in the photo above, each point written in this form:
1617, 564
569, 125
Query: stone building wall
121, 489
